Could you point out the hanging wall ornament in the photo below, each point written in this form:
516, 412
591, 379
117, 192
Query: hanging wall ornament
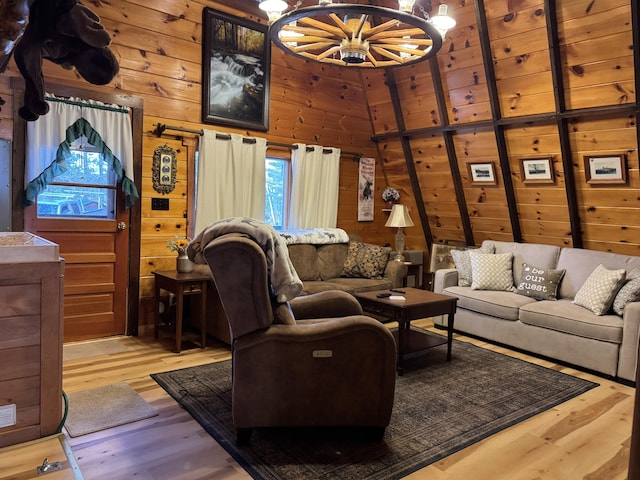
164, 169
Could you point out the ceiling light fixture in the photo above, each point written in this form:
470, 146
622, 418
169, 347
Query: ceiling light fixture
355, 35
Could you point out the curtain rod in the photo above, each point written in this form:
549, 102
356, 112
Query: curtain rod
161, 127
87, 104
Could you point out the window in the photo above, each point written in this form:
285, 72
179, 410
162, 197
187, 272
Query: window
87, 189
277, 192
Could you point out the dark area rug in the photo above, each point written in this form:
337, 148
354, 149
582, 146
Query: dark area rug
440, 408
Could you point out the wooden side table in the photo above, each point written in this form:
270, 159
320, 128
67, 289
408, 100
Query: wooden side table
181, 284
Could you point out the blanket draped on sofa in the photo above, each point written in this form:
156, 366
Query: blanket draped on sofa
284, 279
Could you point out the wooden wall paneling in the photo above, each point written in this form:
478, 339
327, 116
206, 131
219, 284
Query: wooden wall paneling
494, 100
6, 109
452, 157
562, 123
408, 157
461, 70
539, 219
520, 35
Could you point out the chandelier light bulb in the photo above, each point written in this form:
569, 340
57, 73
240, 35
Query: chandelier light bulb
443, 22
406, 5
273, 8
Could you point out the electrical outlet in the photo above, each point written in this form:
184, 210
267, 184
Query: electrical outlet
159, 204
7, 415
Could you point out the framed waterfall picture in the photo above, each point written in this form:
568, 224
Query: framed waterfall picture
235, 71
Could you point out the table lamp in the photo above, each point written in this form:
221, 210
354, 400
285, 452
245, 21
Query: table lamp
399, 217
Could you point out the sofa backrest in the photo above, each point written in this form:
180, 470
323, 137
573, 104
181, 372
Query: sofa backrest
318, 262
538, 255
580, 263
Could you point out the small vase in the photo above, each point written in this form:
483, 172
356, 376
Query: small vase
390, 204
183, 264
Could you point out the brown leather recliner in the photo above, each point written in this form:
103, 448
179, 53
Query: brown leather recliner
337, 369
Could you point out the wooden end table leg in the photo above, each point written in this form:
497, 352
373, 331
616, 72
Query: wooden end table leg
179, 307
403, 325
450, 319
203, 315
156, 316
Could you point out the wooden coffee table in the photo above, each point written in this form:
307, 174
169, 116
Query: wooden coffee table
417, 304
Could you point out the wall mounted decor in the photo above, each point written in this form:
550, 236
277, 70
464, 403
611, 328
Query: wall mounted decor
482, 173
164, 169
235, 71
605, 169
366, 187
537, 170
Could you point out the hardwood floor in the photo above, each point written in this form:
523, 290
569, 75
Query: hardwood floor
585, 438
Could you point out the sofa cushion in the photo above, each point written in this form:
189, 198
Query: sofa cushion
539, 283
365, 260
630, 292
565, 316
305, 260
504, 305
544, 256
599, 290
314, 286
491, 271
331, 259
363, 284
463, 263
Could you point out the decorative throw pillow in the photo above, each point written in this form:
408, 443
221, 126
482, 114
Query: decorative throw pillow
463, 264
539, 283
491, 271
630, 292
599, 290
365, 260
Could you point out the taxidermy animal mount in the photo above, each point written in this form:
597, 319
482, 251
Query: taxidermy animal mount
64, 32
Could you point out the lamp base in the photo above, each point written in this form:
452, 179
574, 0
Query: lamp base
400, 237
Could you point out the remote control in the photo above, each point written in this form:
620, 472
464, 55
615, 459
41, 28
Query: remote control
396, 290
383, 295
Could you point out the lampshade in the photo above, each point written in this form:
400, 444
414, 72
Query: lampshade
399, 217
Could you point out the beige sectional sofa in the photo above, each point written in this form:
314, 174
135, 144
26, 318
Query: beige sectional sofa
556, 328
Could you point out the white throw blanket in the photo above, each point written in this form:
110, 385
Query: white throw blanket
315, 236
284, 278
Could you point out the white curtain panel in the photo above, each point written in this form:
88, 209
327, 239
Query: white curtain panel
315, 174
45, 135
231, 178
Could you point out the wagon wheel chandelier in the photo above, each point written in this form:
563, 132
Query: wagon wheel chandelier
354, 35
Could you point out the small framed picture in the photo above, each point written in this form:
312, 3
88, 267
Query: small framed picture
482, 173
537, 170
605, 169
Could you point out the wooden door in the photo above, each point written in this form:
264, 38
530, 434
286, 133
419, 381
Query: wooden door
96, 255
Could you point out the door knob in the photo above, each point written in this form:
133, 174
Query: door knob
122, 226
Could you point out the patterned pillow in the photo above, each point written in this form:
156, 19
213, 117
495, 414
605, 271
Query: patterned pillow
463, 264
365, 260
630, 292
491, 271
599, 290
539, 283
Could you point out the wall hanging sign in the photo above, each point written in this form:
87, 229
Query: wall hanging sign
235, 71
164, 169
605, 169
537, 170
482, 173
366, 187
